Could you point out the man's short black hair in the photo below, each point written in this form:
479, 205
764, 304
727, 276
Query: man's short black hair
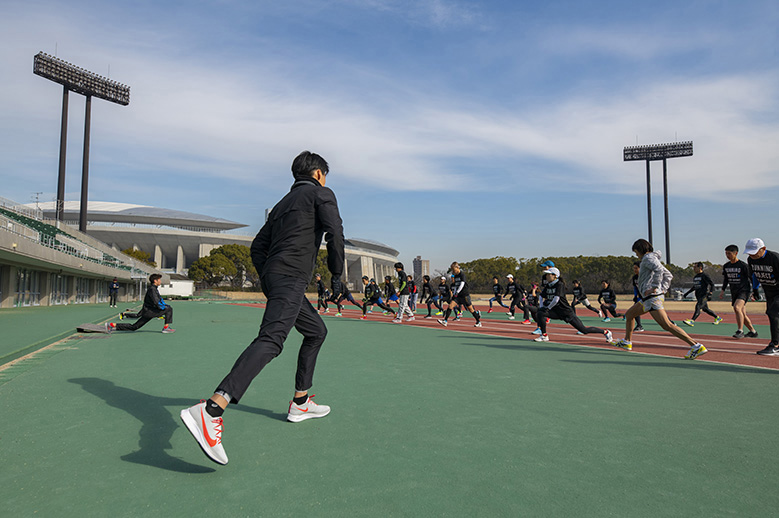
426, 277
699, 265
606, 281
306, 163
153, 277
642, 246
387, 278
732, 248
637, 263
575, 281
398, 265
365, 277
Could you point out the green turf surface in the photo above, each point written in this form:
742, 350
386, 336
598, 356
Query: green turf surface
23, 330
424, 422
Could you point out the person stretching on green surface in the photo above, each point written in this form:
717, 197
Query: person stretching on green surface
284, 253
654, 279
153, 307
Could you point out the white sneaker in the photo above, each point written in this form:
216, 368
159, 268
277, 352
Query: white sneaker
537, 331
477, 324
206, 430
609, 336
579, 333
541, 338
695, 351
411, 319
442, 322
511, 317
307, 410
397, 321
600, 314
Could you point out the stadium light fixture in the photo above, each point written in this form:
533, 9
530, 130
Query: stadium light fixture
89, 84
658, 152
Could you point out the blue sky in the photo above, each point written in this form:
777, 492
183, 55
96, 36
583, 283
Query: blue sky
454, 130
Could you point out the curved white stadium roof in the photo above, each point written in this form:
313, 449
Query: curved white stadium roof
130, 213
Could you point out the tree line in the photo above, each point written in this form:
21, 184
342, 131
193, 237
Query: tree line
231, 265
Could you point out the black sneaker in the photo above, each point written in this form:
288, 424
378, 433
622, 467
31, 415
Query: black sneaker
751, 334
638, 329
739, 335
770, 350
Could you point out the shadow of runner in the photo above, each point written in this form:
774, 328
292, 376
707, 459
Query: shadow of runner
158, 424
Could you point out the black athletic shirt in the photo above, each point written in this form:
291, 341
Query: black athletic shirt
497, 289
427, 289
608, 296
402, 283
320, 288
701, 285
389, 289
549, 292
444, 290
579, 293
459, 279
765, 270
371, 292
736, 275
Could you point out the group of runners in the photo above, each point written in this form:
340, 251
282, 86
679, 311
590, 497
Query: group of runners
284, 253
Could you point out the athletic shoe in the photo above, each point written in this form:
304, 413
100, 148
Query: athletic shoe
689, 322
411, 319
428, 316
308, 410
579, 333
168, 330
385, 312
108, 328
327, 310
370, 311
547, 320
477, 324
608, 336
751, 334
770, 350
397, 321
537, 331
600, 314
338, 315
526, 322
438, 313
717, 321
442, 322
639, 329
511, 317
121, 316
489, 310
542, 338
206, 430
695, 351
112, 326
739, 335
607, 319
628, 346
457, 319
363, 317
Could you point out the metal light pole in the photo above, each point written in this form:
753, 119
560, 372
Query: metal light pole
658, 152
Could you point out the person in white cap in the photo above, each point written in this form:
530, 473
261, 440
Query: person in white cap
764, 265
518, 296
553, 304
654, 279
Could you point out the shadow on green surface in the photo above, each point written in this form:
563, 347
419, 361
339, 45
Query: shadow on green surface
158, 423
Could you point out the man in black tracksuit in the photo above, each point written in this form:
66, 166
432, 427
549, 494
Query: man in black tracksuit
764, 265
153, 307
321, 294
372, 298
461, 296
284, 254
702, 285
518, 296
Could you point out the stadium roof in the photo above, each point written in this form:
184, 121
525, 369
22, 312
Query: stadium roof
140, 214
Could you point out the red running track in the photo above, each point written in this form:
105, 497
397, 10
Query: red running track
722, 349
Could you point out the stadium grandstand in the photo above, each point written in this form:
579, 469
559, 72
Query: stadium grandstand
175, 239
46, 263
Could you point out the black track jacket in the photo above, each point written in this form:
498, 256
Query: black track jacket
288, 242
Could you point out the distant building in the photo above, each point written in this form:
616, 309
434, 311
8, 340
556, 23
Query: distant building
421, 267
175, 239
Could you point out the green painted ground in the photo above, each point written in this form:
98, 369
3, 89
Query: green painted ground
424, 423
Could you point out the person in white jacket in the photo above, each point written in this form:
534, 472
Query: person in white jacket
654, 279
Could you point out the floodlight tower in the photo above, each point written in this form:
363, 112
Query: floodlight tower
658, 152
86, 83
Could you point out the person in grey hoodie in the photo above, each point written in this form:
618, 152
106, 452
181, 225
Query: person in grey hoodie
654, 279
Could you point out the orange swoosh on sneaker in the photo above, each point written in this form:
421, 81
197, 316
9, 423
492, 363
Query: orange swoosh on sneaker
211, 442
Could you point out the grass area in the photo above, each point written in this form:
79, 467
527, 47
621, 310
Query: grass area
424, 422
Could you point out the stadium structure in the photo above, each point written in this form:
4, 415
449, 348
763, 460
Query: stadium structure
175, 239
46, 263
